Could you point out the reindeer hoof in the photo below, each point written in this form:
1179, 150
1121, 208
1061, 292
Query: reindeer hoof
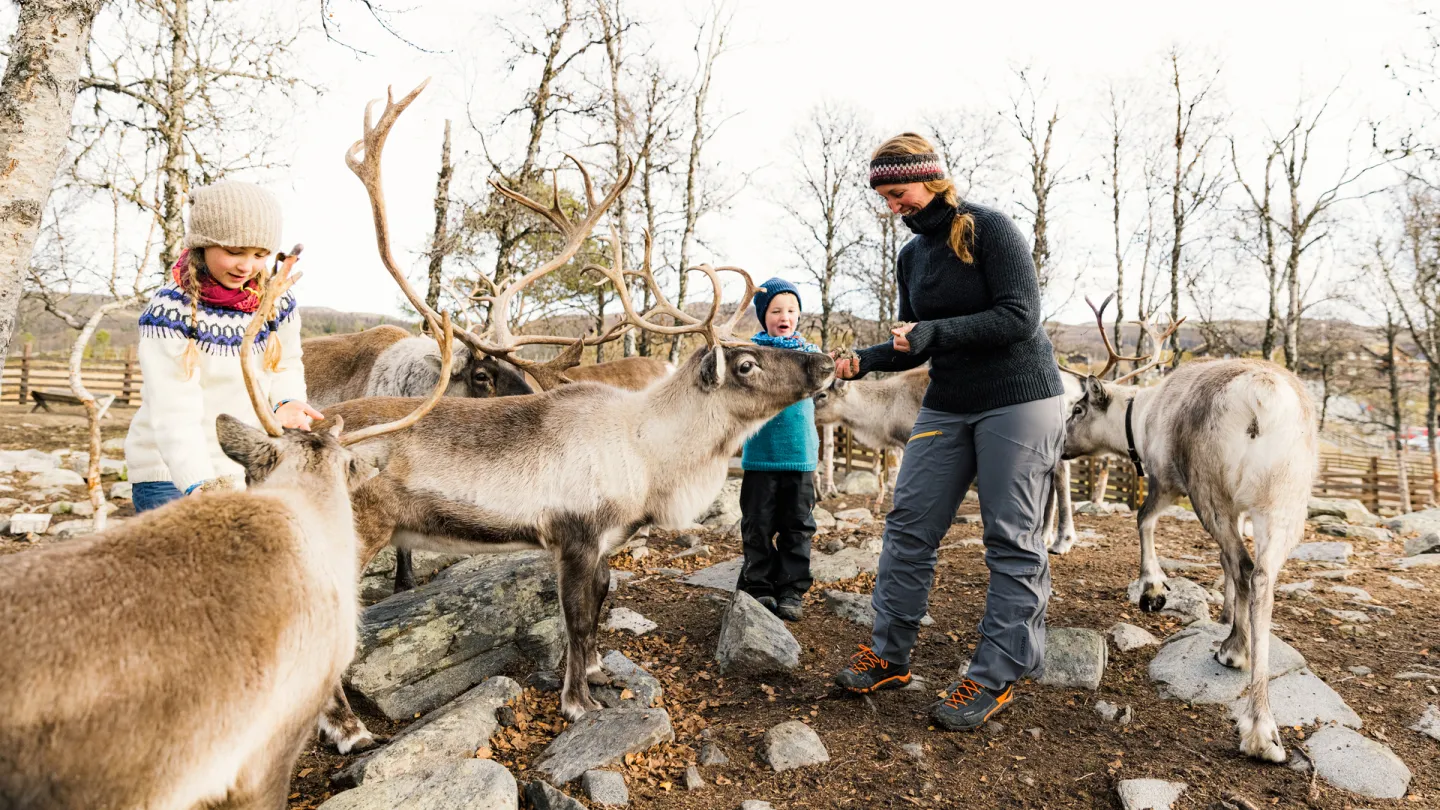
1152, 603
360, 742
598, 677
576, 709
402, 585
1261, 746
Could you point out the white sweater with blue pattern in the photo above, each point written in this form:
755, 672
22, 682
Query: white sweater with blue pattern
172, 437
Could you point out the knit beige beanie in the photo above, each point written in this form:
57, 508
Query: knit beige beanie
233, 214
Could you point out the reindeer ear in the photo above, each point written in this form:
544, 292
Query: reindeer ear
712, 369
1095, 392
249, 447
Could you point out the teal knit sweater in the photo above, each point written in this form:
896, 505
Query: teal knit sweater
788, 442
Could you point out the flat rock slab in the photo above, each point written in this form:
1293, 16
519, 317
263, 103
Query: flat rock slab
1347, 509
1429, 723
792, 745
1418, 561
645, 691
422, 648
543, 797
1074, 658
1407, 584
27, 461
1423, 544
1426, 520
1185, 667
753, 640
475, 784
1358, 764
721, 576
440, 739
605, 788
1302, 699
1149, 794
847, 563
603, 738
1185, 599
1127, 637
1331, 552
627, 620
1374, 533
56, 478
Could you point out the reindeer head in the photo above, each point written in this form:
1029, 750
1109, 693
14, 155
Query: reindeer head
830, 402
297, 459
757, 382
1096, 422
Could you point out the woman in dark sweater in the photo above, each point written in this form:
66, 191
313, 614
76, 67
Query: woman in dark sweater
970, 300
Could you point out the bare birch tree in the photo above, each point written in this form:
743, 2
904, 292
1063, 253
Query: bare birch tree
37, 98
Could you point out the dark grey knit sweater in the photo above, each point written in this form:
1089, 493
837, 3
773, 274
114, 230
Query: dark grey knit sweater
978, 324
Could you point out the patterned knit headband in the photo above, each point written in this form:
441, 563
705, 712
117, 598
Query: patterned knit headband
890, 170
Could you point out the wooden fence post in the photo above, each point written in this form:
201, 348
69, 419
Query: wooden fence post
1372, 485
25, 374
127, 386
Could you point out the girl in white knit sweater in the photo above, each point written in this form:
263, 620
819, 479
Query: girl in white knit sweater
190, 340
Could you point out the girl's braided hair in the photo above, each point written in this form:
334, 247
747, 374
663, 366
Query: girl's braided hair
190, 281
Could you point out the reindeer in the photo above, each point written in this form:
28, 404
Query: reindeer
630, 373
577, 469
1239, 438
387, 361
214, 675
881, 414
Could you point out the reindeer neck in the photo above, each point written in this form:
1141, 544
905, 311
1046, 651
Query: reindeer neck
685, 425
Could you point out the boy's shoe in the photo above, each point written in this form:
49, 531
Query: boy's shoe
767, 601
790, 608
967, 705
869, 672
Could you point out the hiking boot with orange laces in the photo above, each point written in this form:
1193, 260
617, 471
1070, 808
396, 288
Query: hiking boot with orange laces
869, 672
967, 705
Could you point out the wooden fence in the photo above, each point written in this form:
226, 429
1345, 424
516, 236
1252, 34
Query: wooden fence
1371, 479
26, 373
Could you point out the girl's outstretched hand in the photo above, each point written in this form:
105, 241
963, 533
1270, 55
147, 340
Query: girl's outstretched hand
296, 414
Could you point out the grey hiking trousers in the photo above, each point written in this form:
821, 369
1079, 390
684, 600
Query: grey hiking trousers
1012, 452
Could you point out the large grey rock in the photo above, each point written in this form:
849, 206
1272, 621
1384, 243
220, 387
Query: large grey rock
1149, 794
603, 738
1185, 667
1333, 552
860, 482
857, 607
1429, 723
27, 461
645, 690
56, 478
120, 490
475, 784
1372, 533
1418, 561
1302, 699
823, 518
792, 744
1347, 509
721, 576
544, 797
421, 648
724, 512
451, 734
1358, 764
847, 563
605, 788
1185, 599
1422, 544
711, 754
1427, 520
28, 522
1074, 658
859, 515
753, 640
627, 620
1127, 637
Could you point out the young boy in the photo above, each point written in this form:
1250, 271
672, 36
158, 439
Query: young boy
777, 492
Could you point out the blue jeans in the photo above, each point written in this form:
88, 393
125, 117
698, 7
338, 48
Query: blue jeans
148, 495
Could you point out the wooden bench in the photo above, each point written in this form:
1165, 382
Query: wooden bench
45, 397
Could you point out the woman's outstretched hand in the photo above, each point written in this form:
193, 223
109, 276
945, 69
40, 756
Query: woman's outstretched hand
847, 365
901, 341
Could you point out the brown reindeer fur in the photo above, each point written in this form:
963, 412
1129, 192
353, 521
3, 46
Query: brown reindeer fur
630, 373
180, 660
338, 366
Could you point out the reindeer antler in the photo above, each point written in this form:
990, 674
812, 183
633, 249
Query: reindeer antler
275, 286
1115, 357
1158, 356
368, 170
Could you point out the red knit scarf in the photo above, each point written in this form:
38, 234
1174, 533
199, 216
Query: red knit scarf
215, 294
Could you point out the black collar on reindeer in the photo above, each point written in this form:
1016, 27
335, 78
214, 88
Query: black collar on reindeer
1130, 438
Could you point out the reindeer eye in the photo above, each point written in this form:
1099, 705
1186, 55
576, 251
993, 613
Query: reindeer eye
746, 366
1075, 411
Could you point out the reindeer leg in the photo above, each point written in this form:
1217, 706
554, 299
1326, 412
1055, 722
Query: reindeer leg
579, 555
881, 471
1274, 536
1239, 568
1152, 578
595, 672
1060, 526
404, 570
374, 525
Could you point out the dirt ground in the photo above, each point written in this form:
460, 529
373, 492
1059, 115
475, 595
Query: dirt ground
1049, 750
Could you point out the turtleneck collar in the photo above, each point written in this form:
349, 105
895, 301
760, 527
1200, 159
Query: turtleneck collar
933, 218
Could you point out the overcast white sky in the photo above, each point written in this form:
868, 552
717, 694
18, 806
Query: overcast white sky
892, 61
